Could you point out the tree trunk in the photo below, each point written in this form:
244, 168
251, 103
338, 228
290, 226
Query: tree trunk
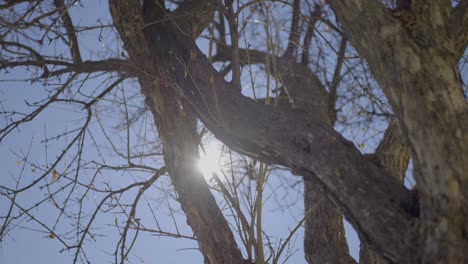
178, 132
393, 155
177, 129
420, 77
324, 237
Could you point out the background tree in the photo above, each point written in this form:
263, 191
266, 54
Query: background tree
352, 66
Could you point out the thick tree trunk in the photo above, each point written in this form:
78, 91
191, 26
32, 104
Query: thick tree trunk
178, 132
177, 129
414, 57
324, 237
393, 155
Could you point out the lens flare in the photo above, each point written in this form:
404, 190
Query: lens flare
209, 161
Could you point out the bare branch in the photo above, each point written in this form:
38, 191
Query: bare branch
315, 16
332, 95
311, 146
13, 125
132, 216
85, 232
294, 33
72, 39
11, 3
233, 30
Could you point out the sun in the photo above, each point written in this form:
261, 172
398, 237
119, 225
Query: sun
210, 158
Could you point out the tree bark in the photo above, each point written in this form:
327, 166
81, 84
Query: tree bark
177, 130
392, 154
459, 28
381, 208
324, 235
421, 79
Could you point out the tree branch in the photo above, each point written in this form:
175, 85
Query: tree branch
314, 17
193, 16
392, 152
324, 232
301, 85
233, 30
375, 205
109, 65
67, 22
332, 95
294, 33
12, 3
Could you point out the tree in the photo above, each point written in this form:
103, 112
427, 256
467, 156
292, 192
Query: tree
412, 52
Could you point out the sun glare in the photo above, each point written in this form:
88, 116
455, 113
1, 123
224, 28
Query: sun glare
210, 159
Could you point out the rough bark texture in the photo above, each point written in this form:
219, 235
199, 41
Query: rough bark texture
392, 154
421, 79
378, 206
177, 130
324, 237
459, 27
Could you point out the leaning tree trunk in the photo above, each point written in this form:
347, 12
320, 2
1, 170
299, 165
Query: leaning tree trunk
178, 131
379, 207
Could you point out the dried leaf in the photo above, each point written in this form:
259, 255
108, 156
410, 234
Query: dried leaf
18, 163
115, 221
51, 236
54, 176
